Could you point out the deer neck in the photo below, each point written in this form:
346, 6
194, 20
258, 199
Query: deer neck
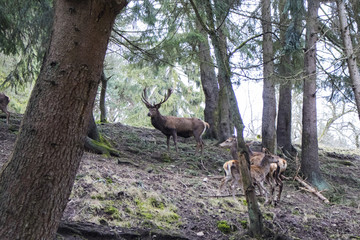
265, 162
158, 121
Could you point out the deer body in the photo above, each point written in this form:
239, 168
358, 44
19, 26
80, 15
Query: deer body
274, 173
258, 174
175, 126
4, 101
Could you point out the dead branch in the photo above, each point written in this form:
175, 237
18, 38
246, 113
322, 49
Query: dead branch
220, 196
312, 189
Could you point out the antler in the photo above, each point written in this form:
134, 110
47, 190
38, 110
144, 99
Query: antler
144, 100
166, 97
149, 105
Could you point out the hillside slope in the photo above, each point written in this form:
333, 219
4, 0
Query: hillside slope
148, 193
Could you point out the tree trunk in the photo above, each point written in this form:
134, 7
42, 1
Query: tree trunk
283, 130
310, 157
255, 217
102, 97
36, 182
349, 53
219, 43
269, 100
209, 84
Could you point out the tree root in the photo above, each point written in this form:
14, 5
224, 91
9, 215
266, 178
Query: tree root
97, 147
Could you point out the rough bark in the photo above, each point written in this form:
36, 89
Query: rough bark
36, 182
102, 106
283, 130
310, 157
349, 53
209, 84
218, 41
269, 100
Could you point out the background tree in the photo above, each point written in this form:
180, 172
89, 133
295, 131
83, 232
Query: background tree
290, 36
309, 156
349, 53
36, 182
268, 131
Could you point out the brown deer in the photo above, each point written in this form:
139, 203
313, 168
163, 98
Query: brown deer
276, 169
4, 101
258, 174
175, 126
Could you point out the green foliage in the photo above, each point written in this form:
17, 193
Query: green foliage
24, 32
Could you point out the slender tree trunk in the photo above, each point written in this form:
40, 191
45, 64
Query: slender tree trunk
256, 225
104, 81
310, 157
255, 216
349, 53
209, 84
36, 182
269, 99
283, 130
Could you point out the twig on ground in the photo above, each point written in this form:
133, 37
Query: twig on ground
312, 189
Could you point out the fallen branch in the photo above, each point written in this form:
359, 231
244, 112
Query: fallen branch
220, 196
311, 189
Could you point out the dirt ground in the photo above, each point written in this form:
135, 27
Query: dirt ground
149, 193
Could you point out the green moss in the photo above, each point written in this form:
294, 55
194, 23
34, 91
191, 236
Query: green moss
244, 224
98, 197
223, 226
155, 203
110, 210
109, 180
269, 216
165, 157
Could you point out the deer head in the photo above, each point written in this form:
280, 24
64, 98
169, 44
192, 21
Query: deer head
154, 108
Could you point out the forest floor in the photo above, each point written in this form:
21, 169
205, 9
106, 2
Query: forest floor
148, 193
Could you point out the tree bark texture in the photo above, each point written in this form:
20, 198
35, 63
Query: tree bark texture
218, 41
310, 157
349, 53
36, 182
283, 130
209, 84
269, 99
103, 81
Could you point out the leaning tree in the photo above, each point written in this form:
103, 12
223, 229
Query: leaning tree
36, 182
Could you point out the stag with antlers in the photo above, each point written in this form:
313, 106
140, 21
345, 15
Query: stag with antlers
175, 126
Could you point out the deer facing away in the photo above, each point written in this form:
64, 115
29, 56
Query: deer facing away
175, 126
4, 101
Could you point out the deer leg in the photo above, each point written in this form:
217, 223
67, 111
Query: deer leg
168, 142
174, 135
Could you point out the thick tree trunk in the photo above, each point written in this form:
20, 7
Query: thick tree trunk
209, 84
269, 99
36, 182
310, 157
103, 80
349, 53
